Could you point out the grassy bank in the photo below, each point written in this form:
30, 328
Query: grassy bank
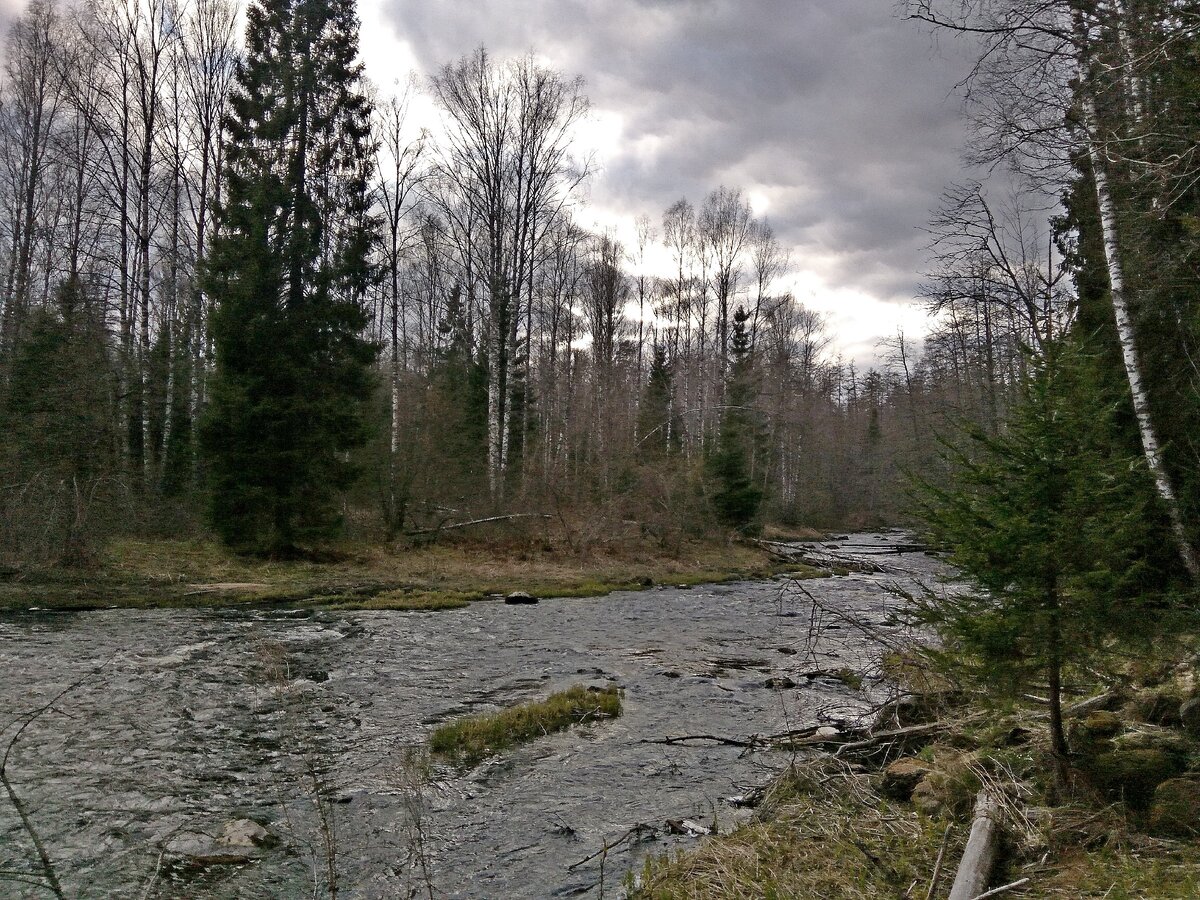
470, 740
1125, 824
201, 573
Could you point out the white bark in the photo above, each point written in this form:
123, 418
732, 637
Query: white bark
1129, 352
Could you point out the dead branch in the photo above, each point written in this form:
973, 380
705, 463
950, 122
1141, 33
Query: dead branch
603, 851
752, 743
51, 878
891, 736
1004, 888
440, 528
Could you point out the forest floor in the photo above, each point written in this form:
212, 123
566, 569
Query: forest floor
201, 573
871, 825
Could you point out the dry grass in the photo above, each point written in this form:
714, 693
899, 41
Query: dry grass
821, 833
141, 573
471, 740
825, 833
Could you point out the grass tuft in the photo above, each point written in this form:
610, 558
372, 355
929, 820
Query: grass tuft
471, 740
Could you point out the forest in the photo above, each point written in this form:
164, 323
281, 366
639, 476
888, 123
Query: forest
255, 311
518, 363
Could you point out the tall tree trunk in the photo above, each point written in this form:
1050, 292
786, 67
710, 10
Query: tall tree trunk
1128, 342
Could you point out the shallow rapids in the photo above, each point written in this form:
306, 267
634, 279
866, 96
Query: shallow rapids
304, 721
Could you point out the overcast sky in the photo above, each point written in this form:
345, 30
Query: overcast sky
836, 118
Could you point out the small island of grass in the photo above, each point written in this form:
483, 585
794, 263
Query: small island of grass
470, 740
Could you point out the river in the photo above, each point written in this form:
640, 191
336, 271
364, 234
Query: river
183, 721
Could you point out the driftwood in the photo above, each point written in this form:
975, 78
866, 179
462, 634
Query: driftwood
891, 736
440, 528
975, 868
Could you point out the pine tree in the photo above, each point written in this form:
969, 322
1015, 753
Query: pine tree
1053, 526
289, 269
737, 497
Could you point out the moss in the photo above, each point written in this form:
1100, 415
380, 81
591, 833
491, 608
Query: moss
471, 740
1104, 724
415, 599
1175, 811
850, 678
1131, 775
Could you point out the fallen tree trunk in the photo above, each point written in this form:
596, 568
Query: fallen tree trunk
486, 521
975, 869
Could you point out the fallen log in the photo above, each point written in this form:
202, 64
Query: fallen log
975, 868
1083, 707
439, 529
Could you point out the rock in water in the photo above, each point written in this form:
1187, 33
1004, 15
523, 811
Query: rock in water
520, 598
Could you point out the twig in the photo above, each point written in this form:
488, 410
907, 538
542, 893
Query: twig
52, 882
996, 892
937, 866
603, 851
508, 518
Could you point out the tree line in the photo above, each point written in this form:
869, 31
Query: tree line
481, 350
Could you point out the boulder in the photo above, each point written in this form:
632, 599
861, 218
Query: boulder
779, 682
1175, 809
1132, 775
1158, 707
520, 598
1103, 724
199, 850
927, 797
901, 778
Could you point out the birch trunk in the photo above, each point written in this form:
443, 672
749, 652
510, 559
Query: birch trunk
1129, 352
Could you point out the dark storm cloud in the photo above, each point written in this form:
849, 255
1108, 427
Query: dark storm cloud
841, 113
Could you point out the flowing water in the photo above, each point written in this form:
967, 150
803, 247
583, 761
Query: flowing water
180, 722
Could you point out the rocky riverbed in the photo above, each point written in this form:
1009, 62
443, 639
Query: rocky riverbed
183, 728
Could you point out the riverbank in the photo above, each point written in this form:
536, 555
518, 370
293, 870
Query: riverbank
875, 821
201, 573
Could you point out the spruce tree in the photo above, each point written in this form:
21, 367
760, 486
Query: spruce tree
1054, 528
737, 497
288, 271
660, 427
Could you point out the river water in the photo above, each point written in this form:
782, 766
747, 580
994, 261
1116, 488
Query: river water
181, 722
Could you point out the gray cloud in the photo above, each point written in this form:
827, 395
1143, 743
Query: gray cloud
842, 112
